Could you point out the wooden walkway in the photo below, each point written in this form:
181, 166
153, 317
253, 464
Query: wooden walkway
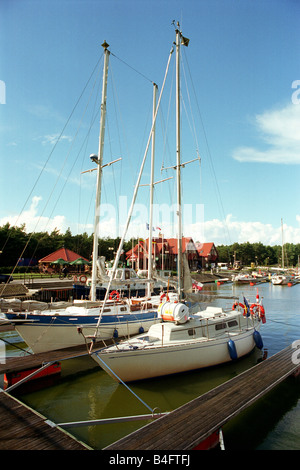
30, 361
186, 427
21, 428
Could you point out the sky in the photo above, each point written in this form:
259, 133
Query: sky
243, 76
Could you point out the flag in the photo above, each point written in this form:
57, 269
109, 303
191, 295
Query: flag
158, 228
147, 226
248, 308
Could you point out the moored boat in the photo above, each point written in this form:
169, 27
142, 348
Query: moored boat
183, 341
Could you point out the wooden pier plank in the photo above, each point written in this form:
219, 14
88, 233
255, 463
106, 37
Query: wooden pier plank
21, 428
190, 424
17, 363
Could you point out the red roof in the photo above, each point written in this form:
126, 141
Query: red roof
160, 244
173, 245
206, 249
64, 253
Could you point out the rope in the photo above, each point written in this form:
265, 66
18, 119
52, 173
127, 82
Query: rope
132, 68
120, 380
15, 346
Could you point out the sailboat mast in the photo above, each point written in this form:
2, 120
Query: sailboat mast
282, 245
150, 248
99, 171
178, 167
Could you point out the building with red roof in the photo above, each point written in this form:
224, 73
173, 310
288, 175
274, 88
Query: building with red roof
165, 251
64, 254
207, 253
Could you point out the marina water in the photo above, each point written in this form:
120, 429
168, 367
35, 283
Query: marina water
273, 423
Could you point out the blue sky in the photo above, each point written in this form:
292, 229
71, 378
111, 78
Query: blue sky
243, 57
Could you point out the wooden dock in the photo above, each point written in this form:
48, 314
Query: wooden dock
192, 423
22, 428
31, 361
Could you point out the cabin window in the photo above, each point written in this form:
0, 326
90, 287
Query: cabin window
191, 332
232, 323
150, 339
106, 310
127, 274
220, 326
123, 309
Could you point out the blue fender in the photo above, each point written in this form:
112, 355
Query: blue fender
258, 339
232, 350
116, 334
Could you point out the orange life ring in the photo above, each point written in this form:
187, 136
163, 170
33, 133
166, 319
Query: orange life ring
83, 279
164, 295
114, 295
256, 308
235, 305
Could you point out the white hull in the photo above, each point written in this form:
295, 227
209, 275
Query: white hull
42, 338
131, 361
281, 280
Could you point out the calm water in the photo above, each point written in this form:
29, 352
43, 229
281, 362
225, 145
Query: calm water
86, 392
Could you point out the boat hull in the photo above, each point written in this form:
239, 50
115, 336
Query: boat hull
43, 333
173, 359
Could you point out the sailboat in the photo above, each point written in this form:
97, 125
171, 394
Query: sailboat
282, 279
59, 326
183, 341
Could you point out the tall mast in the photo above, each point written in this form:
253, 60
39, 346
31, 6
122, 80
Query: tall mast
179, 213
150, 249
282, 245
99, 162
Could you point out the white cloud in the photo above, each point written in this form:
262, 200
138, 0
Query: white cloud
35, 223
279, 130
248, 231
52, 139
221, 232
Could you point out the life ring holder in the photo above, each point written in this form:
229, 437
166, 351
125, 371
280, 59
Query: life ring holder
114, 295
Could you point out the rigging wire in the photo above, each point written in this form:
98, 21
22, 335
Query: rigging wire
66, 180
209, 155
132, 68
54, 147
44, 167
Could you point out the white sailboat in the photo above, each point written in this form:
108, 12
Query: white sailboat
58, 326
282, 279
183, 341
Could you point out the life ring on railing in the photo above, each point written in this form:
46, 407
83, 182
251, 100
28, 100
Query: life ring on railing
83, 279
258, 309
164, 295
236, 304
114, 295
